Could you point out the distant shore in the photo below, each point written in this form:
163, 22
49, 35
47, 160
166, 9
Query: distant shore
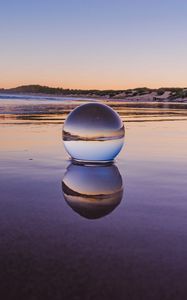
5, 95
178, 95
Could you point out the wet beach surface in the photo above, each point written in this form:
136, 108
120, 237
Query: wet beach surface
133, 246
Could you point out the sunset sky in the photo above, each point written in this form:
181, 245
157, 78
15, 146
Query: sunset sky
102, 44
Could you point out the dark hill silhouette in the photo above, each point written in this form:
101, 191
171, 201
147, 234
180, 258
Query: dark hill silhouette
160, 94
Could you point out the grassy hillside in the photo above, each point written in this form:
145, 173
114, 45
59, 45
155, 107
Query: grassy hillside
142, 93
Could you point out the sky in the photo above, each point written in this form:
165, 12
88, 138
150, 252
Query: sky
93, 44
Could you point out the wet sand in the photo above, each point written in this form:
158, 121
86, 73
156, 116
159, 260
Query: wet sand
137, 249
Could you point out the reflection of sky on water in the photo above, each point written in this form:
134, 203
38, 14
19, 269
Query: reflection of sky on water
141, 244
27, 112
92, 191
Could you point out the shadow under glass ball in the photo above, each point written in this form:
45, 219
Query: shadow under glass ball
92, 191
93, 132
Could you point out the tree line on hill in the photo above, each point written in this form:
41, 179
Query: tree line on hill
174, 93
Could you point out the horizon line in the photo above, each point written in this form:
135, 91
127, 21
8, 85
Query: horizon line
93, 89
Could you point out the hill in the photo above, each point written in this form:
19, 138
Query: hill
143, 93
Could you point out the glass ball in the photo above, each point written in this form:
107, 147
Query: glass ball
92, 191
93, 132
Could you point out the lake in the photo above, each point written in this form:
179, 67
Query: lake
133, 245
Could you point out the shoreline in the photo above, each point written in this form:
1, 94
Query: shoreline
140, 99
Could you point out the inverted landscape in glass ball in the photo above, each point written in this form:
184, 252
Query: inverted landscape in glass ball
92, 191
93, 132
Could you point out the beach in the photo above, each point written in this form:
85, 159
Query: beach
134, 249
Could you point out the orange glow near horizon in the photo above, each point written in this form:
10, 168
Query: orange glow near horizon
94, 85
104, 45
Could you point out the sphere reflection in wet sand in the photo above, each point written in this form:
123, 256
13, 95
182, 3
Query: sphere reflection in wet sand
93, 132
92, 191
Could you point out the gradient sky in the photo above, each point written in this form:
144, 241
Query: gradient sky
93, 43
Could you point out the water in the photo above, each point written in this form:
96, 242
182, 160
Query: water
93, 132
130, 248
